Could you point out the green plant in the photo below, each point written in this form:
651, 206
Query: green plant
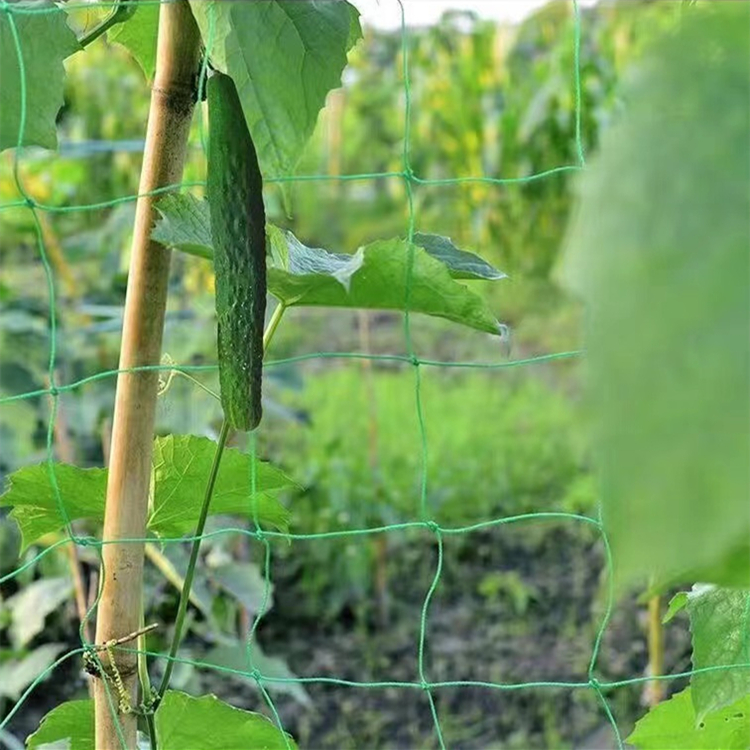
663, 269
385, 275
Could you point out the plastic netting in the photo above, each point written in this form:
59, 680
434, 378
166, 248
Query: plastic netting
598, 687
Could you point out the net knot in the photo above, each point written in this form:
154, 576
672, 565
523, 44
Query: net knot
256, 675
433, 526
424, 685
414, 360
409, 175
260, 535
85, 541
28, 201
53, 391
595, 684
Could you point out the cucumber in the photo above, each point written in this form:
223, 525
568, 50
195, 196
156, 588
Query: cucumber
238, 226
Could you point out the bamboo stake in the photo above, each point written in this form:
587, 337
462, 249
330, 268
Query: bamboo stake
172, 101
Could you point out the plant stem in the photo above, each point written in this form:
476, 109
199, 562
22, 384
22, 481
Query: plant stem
268, 335
172, 101
655, 689
145, 680
195, 549
273, 324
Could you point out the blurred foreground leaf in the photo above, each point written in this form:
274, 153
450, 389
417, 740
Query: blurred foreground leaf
659, 252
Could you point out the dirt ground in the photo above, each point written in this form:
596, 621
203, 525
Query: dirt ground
541, 628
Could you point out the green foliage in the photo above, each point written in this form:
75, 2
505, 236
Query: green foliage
386, 275
29, 607
720, 624
659, 253
498, 445
236, 655
138, 35
380, 276
71, 724
45, 41
181, 464
18, 669
206, 723
298, 54
185, 224
673, 725
182, 721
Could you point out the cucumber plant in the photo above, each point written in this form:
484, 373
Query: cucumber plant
280, 103
263, 102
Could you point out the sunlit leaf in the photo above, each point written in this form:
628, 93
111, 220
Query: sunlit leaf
18, 673
284, 58
181, 465
673, 725
207, 723
138, 35
720, 625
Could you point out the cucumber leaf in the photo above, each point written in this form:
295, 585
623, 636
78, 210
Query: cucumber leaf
673, 725
720, 626
181, 465
45, 40
138, 35
207, 723
71, 725
284, 58
374, 277
384, 275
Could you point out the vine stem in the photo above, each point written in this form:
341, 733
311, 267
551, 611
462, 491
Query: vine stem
120, 14
179, 625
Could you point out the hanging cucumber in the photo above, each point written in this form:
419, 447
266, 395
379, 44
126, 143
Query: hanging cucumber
235, 196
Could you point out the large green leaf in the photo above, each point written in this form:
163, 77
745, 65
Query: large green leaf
45, 40
206, 723
284, 58
375, 277
69, 725
384, 275
673, 725
659, 252
35, 504
720, 624
138, 35
181, 466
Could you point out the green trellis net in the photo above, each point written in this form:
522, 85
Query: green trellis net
264, 538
